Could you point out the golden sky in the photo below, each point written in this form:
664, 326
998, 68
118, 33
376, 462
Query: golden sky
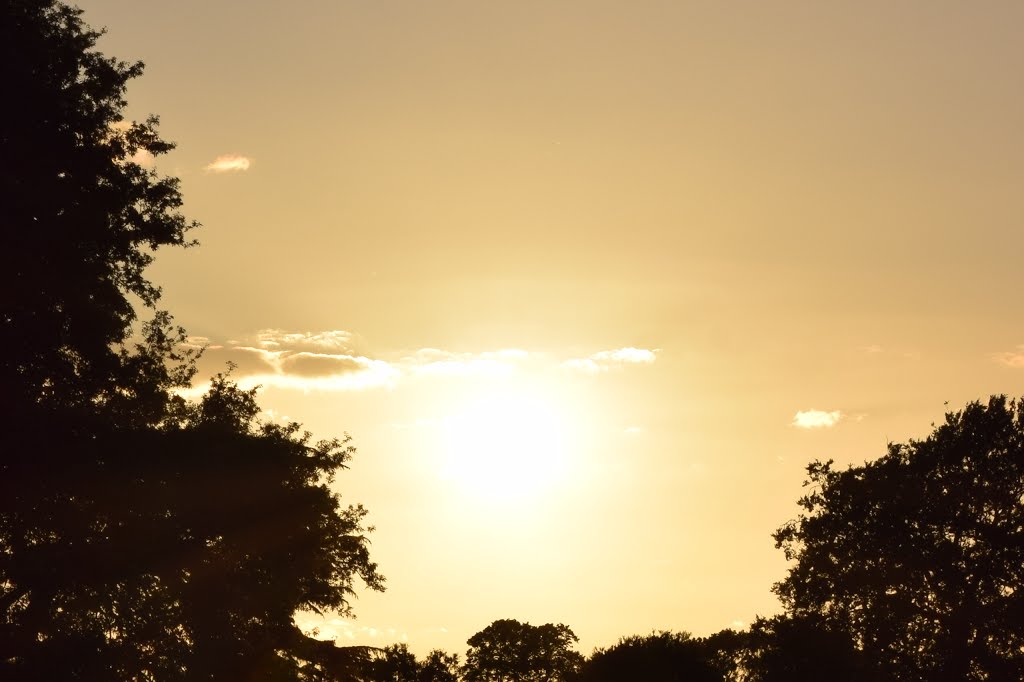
591, 282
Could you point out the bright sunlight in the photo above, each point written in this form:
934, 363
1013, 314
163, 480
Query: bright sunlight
505, 445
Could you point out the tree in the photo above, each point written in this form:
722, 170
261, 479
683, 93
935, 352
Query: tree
658, 657
919, 555
141, 537
510, 651
395, 663
439, 666
726, 651
81, 219
176, 553
785, 649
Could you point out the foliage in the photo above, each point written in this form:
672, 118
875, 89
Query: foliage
919, 555
507, 651
395, 663
141, 537
81, 219
726, 651
439, 666
658, 657
174, 553
784, 649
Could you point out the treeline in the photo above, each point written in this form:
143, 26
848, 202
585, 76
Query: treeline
776, 650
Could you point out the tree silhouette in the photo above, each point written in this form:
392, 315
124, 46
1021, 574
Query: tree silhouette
510, 651
785, 649
141, 537
80, 220
395, 663
658, 657
919, 555
439, 666
727, 652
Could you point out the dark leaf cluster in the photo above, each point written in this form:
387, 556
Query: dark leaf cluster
81, 215
510, 651
396, 663
172, 553
659, 657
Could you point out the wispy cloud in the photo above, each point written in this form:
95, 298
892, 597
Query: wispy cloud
297, 360
321, 364
816, 419
1013, 359
329, 361
196, 342
336, 360
228, 163
364, 374
433, 361
336, 339
333, 628
610, 359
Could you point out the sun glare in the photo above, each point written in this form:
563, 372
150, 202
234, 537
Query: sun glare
505, 445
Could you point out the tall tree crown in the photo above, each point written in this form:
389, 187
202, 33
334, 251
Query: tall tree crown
141, 537
919, 555
82, 215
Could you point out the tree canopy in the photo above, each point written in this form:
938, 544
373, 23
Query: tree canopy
81, 220
510, 651
798, 649
919, 555
396, 663
658, 657
142, 537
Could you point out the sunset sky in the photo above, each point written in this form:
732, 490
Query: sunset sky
590, 282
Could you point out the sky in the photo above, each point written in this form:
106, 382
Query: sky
590, 283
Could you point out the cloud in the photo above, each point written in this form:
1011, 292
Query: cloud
332, 361
321, 364
279, 359
197, 342
816, 419
370, 374
246, 359
432, 361
610, 359
1013, 359
328, 361
335, 339
143, 158
332, 628
228, 163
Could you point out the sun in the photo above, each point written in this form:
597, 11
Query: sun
505, 445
